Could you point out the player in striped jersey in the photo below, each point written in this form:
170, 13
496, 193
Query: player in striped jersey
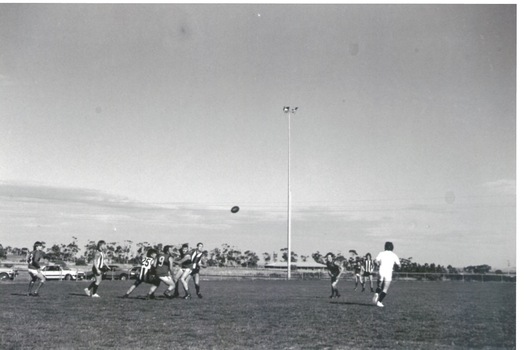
33, 267
368, 271
99, 266
358, 272
197, 254
146, 272
163, 272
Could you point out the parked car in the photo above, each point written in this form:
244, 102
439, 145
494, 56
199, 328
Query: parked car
114, 273
7, 273
134, 272
57, 272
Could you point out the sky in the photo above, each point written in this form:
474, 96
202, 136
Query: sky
149, 122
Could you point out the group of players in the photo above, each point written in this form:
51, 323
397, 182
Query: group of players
364, 268
156, 267
162, 267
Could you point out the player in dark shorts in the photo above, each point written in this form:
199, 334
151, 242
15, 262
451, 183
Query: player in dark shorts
335, 271
98, 268
358, 272
163, 272
185, 269
33, 267
368, 271
197, 254
146, 273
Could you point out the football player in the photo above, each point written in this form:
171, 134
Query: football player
386, 260
98, 268
196, 256
185, 269
335, 271
146, 273
33, 267
163, 273
368, 271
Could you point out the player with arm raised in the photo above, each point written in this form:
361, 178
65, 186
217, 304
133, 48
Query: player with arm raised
33, 267
386, 260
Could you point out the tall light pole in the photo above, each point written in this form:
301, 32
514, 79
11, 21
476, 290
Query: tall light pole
289, 110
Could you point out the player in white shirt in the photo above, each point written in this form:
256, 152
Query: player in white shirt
386, 260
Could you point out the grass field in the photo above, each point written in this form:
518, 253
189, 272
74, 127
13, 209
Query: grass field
261, 314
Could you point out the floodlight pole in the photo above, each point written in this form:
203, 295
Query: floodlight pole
289, 110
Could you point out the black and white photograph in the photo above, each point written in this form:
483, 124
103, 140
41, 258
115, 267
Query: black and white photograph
259, 176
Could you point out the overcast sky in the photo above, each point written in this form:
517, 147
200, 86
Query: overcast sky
149, 122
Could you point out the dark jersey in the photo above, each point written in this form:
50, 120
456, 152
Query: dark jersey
33, 260
162, 268
333, 268
187, 263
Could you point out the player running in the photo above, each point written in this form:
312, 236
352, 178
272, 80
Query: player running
33, 267
146, 273
386, 260
98, 268
335, 271
163, 272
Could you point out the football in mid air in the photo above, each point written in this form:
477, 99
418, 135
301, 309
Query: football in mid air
234, 209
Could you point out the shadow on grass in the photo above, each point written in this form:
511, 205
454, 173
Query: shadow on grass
351, 303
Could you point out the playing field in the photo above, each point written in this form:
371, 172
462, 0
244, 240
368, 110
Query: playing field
260, 314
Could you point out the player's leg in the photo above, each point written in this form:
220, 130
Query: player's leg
33, 277
177, 276
155, 284
195, 276
383, 293
138, 281
41, 279
379, 288
171, 285
335, 286
184, 280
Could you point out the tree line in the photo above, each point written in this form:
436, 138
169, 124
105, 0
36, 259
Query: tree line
224, 256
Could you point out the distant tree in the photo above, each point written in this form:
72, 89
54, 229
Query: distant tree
89, 253
478, 269
451, 269
317, 257
250, 259
285, 254
3, 253
267, 257
340, 259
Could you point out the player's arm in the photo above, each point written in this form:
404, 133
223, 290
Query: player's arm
171, 265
